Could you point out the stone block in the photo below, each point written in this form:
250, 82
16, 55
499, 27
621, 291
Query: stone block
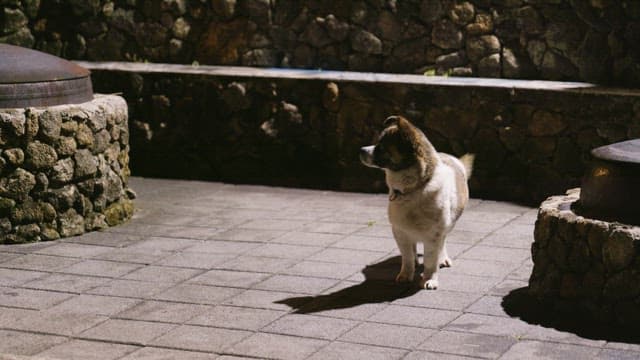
619, 249
49, 123
446, 35
40, 155
17, 185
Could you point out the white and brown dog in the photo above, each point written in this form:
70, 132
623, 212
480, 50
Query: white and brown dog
427, 194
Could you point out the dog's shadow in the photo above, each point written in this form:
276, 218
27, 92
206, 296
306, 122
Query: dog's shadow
520, 304
379, 286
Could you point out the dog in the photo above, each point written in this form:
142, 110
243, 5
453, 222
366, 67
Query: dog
427, 193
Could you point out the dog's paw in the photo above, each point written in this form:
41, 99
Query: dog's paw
447, 262
404, 278
431, 284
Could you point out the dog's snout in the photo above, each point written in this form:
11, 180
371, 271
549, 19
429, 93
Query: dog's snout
365, 150
366, 155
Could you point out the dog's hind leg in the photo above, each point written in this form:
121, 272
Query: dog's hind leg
408, 251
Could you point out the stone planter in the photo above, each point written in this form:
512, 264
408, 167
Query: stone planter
63, 169
586, 266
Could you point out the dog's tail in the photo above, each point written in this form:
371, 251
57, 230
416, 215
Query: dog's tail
467, 161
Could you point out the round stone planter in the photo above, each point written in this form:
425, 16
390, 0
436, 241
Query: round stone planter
63, 169
583, 265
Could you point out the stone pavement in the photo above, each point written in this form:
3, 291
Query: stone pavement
216, 271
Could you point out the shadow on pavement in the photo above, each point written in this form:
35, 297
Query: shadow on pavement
518, 303
379, 286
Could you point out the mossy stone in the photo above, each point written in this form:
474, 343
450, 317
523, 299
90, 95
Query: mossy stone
118, 212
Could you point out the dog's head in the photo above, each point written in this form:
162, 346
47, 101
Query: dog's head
400, 146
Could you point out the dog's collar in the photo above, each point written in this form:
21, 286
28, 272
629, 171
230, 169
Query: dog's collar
395, 193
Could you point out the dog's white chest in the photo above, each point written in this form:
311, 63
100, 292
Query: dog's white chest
427, 209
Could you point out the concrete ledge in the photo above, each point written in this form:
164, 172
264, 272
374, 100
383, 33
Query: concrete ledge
303, 128
330, 75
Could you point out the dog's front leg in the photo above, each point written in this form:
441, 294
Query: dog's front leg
432, 256
445, 260
408, 251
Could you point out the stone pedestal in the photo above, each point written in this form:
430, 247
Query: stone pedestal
583, 265
63, 169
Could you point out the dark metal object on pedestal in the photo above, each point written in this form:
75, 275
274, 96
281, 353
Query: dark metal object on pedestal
611, 187
33, 78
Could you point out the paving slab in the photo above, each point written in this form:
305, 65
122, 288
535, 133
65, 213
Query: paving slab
130, 288
456, 343
551, 351
196, 294
200, 338
256, 264
154, 353
14, 277
415, 316
341, 350
208, 270
275, 346
166, 273
297, 284
236, 317
490, 325
56, 323
609, 354
127, 331
24, 343
36, 262
95, 304
310, 326
66, 283
394, 336
89, 350
9, 315
163, 311
30, 299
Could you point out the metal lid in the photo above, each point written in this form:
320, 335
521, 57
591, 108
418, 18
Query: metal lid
610, 187
625, 151
33, 78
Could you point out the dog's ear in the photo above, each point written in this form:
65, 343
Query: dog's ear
391, 120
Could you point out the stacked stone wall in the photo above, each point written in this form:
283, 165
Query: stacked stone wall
594, 41
63, 170
530, 143
585, 266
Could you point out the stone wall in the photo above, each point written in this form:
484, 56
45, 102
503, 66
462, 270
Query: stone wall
594, 41
585, 266
531, 140
63, 169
